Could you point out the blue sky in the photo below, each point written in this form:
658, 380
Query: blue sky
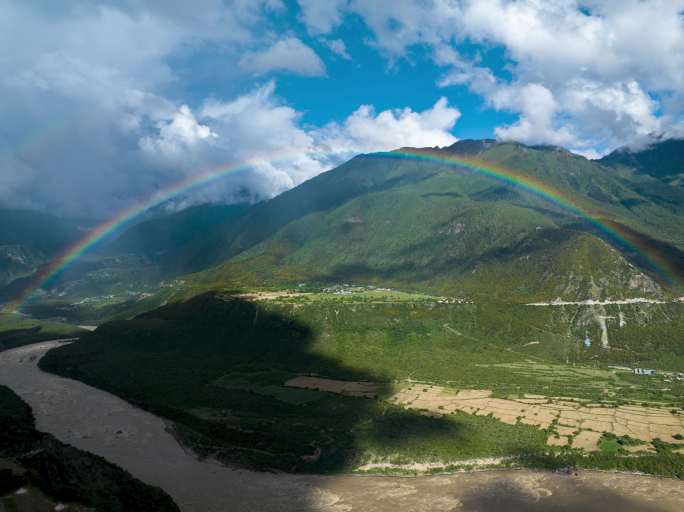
367, 77
407, 82
104, 102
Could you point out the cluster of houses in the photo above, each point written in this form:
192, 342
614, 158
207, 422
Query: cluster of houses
668, 376
644, 371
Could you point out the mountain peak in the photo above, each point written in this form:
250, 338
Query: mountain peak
461, 147
471, 146
661, 159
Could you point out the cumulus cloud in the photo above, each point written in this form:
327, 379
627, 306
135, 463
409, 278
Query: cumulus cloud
321, 16
395, 25
89, 126
82, 93
366, 131
177, 136
537, 108
288, 54
598, 64
603, 73
259, 129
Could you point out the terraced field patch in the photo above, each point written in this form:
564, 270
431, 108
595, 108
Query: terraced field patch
575, 422
343, 387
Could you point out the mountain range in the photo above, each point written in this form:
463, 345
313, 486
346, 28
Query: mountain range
414, 219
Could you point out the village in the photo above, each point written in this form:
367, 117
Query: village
650, 372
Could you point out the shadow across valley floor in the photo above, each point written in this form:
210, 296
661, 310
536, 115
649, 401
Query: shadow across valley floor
222, 369
217, 366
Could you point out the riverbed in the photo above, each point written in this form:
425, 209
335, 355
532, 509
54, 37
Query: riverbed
140, 442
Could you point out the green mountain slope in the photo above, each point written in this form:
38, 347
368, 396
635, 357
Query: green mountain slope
393, 220
431, 226
663, 159
179, 241
141, 258
220, 369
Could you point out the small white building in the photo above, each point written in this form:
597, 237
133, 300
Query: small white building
644, 371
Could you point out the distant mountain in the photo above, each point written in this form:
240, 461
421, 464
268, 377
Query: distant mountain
30, 239
179, 241
163, 246
420, 224
431, 226
40, 231
663, 159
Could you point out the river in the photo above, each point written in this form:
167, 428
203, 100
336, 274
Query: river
103, 424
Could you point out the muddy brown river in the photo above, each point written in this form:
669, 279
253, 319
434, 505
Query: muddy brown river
103, 424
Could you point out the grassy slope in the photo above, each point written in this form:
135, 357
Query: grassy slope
438, 229
42, 232
663, 159
407, 224
179, 241
65, 473
215, 366
142, 257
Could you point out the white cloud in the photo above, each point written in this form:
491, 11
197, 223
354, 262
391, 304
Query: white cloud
400, 24
321, 16
537, 108
288, 54
259, 129
87, 127
560, 40
366, 131
181, 134
601, 66
612, 70
338, 47
396, 25
622, 109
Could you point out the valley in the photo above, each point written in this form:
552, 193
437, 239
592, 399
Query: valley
342, 256
481, 221
103, 424
331, 381
400, 315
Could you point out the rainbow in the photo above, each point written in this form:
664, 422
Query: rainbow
668, 269
66, 257
618, 232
